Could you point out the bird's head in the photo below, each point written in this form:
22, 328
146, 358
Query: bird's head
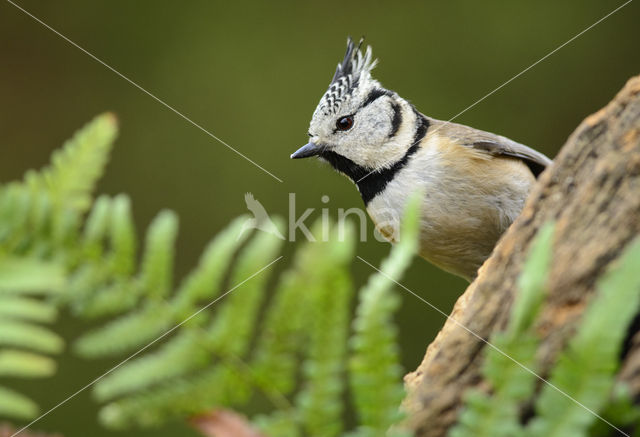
358, 122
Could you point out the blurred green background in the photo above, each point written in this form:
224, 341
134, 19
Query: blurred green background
252, 74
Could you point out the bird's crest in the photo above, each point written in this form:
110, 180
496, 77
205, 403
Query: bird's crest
353, 71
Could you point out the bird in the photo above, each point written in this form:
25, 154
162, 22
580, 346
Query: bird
260, 219
473, 183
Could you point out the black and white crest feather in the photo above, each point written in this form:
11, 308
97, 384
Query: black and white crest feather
353, 71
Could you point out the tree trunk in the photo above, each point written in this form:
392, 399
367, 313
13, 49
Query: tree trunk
592, 191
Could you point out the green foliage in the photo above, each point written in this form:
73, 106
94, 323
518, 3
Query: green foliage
374, 369
329, 294
513, 352
585, 371
581, 384
39, 221
75, 169
225, 337
222, 337
620, 410
208, 360
14, 404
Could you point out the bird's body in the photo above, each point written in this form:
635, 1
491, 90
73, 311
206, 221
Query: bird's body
470, 199
474, 183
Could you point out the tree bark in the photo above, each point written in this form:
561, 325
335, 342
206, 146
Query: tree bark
592, 191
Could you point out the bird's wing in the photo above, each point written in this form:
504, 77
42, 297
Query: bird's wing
494, 145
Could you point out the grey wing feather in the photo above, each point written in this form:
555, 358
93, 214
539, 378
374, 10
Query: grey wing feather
495, 145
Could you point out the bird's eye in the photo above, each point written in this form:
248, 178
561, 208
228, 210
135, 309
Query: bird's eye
344, 123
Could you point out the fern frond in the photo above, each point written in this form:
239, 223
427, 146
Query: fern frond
96, 228
157, 262
34, 310
497, 414
205, 281
532, 282
320, 399
17, 363
585, 371
374, 369
279, 424
14, 404
135, 329
76, 167
211, 358
30, 276
39, 229
330, 292
230, 331
26, 216
181, 355
123, 240
620, 410
114, 298
194, 347
127, 332
283, 334
29, 336
103, 284
180, 397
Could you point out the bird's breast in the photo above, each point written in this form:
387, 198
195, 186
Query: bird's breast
467, 203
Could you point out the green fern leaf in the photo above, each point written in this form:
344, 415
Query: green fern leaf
194, 347
278, 424
205, 281
39, 224
13, 404
126, 333
320, 399
157, 262
498, 414
29, 276
136, 329
329, 293
19, 307
375, 372
181, 355
181, 397
21, 364
29, 336
231, 328
123, 237
96, 228
585, 371
75, 169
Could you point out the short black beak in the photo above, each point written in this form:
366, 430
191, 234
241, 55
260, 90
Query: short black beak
309, 149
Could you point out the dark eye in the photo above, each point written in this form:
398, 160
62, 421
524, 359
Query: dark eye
344, 123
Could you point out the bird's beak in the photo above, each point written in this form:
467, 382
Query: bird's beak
309, 149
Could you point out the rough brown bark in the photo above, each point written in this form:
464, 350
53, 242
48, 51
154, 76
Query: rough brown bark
592, 191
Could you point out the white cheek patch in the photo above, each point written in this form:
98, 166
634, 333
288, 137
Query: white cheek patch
364, 143
373, 128
406, 131
389, 150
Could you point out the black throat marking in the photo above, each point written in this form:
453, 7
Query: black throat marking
371, 183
